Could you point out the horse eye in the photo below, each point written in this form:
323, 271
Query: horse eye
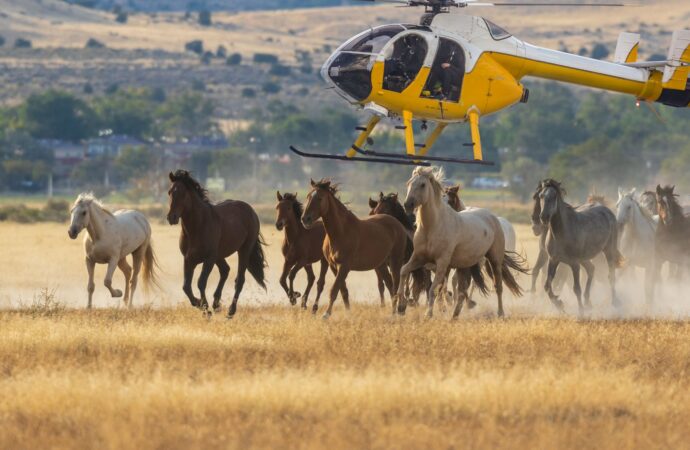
83, 213
423, 184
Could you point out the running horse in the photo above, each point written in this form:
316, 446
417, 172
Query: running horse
672, 232
421, 278
301, 248
376, 242
210, 233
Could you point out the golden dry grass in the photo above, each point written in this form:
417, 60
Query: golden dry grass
162, 376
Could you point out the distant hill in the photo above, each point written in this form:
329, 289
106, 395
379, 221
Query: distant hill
213, 5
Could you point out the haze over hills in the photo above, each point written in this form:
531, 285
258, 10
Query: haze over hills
213, 5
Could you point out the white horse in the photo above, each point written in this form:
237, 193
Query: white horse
446, 239
638, 237
110, 238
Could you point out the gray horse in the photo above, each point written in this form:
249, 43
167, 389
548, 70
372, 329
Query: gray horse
574, 238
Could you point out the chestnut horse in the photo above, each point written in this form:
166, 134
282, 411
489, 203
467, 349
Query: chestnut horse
211, 233
375, 243
390, 205
301, 248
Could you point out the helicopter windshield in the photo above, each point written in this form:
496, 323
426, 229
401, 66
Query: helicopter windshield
404, 60
350, 70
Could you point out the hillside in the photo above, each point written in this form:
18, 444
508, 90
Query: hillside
213, 5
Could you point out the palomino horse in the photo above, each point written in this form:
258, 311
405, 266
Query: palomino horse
110, 238
390, 205
574, 238
637, 230
446, 239
672, 233
375, 243
211, 233
301, 248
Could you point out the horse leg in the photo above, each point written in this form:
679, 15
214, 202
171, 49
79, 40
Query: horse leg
293, 273
575, 268
412, 264
340, 275
320, 284
497, 272
612, 281
127, 272
206, 268
385, 279
91, 286
382, 287
224, 270
550, 273
137, 261
242, 262
287, 265
541, 260
108, 282
189, 267
310, 282
461, 281
438, 283
589, 269
345, 294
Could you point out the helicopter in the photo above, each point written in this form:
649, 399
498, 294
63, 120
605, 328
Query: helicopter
460, 68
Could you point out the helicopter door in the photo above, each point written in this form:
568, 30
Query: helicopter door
403, 62
447, 73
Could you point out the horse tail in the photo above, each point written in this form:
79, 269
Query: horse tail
257, 261
478, 278
515, 262
150, 265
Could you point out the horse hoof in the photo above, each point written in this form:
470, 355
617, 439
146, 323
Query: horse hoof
471, 304
116, 293
293, 302
500, 314
326, 315
314, 309
428, 315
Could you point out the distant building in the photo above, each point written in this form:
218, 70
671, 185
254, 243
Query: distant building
110, 145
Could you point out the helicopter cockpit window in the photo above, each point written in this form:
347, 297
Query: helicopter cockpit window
351, 69
497, 32
445, 80
404, 60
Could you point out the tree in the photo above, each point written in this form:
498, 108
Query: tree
126, 112
205, 18
57, 115
22, 43
121, 17
135, 162
188, 114
195, 46
599, 51
523, 174
234, 59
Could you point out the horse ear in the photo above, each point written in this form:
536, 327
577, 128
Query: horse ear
620, 193
658, 189
395, 196
372, 203
278, 196
381, 195
633, 191
171, 176
454, 189
672, 188
295, 195
312, 182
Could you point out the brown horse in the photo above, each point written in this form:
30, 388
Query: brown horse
211, 233
672, 233
390, 205
375, 243
301, 248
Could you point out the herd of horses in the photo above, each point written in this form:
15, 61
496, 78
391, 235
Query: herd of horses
413, 246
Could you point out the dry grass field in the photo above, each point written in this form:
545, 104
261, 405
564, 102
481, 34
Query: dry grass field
162, 376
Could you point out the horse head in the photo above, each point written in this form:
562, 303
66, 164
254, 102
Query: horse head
288, 209
453, 195
624, 206
549, 196
183, 190
318, 201
668, 206
537, 226
648, 201
423, 187
80, 215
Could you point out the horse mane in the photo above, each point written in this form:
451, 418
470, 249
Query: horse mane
297, 207
556, 185
645, 213
184, 177
87, 198
435, 175
398, 211
327, 184
671, 197
597, 198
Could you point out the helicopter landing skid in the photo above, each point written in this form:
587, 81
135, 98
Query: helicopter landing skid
427, 159
385, 160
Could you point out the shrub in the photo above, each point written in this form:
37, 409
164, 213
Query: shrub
121, 17
270, 87
599, 51
265, 58
195, 46
2, 41
234, 59
206, 58
158, 95
88, 89
205, 18
198, 85
112, 88
280, 70
93, 43
22, 43
248, 93
221, 52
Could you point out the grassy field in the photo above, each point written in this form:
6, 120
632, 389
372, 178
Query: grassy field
162, 376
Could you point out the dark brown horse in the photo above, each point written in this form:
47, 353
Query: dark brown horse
301, 248
672, 232
211, 233
421, 278
375, 243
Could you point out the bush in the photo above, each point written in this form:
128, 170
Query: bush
22, 43
112, 88
196, 46
270, 87
88, 89
234, 59
280, 70
206, 58
198, 85
248, 93
2, 41
265, 58
53, 211
599, 51
158, 95
221, 52
121, 17
93, 43
205, 18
